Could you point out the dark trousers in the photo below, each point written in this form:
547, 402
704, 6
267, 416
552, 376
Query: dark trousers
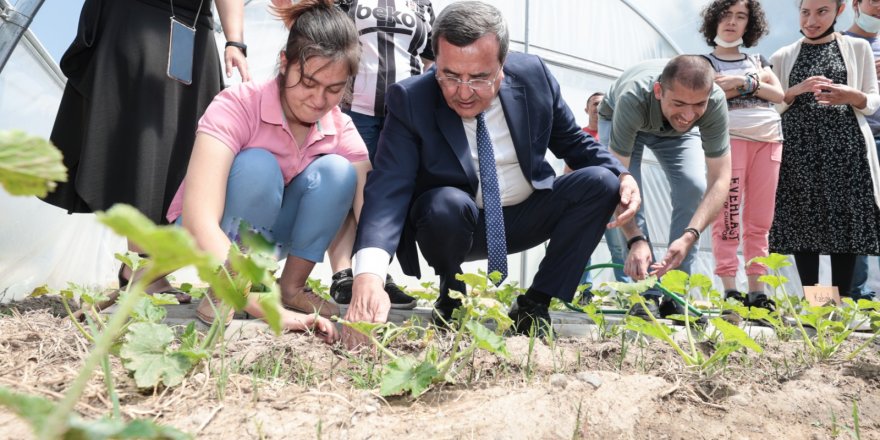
450, 229
842, 266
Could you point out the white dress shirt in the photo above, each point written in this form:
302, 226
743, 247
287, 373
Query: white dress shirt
512, 184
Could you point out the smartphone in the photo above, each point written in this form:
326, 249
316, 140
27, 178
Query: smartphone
180, 52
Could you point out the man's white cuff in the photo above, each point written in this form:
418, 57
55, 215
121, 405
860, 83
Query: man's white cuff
372, 260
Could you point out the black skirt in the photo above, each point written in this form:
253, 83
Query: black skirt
125, 128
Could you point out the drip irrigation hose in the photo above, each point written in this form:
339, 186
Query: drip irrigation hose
675, 297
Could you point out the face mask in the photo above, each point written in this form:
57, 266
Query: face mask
868, 23
827, 32
737, 43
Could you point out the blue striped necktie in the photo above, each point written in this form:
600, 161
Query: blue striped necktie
496, 242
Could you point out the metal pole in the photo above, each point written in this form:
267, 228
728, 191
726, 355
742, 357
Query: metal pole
523, 260
526, 39
14, 21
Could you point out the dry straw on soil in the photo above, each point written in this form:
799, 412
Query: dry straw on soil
294, 387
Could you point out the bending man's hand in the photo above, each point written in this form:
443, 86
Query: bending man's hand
638, 260
674, 256
630, 200
369, 303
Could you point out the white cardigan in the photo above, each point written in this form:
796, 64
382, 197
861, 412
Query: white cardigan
860, 74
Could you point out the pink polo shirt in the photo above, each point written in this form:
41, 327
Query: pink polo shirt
249, 115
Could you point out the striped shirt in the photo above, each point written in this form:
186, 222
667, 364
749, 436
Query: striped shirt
394, 36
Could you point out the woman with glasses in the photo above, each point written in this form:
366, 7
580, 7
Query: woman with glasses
281, 158
828, 194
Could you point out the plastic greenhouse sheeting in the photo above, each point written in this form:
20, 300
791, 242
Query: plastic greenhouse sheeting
41, 244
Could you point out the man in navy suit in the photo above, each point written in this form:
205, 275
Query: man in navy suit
426, 189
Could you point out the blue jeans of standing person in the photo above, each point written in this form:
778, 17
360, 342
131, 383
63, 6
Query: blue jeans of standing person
302, 217
369, 128
860, 272
616, 243
683, 162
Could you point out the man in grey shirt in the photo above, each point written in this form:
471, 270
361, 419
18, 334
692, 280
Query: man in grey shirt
660, 105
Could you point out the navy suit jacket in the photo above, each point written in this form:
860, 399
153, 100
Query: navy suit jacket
423, 146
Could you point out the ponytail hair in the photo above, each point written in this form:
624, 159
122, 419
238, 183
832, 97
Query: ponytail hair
318, 28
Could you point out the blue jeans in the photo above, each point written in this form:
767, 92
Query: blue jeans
684, 164
369, 128
860, 271
301, 218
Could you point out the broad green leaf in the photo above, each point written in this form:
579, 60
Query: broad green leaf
722, 351
675, 281
29, 165
701, 282
495, 277
146, 352
40, 291
117, 429
735, 334
773, 261
132, 260
170, 247
866, 304
231, 290
270, 303
366, 328
146, 311
486, 339
454, 294
33, 409
476, 282
163, 299
90, 297
422, 294
497, 314
658, 331
407, 374
249, 267
773, 281
631, 288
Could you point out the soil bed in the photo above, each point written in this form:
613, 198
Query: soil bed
295, 387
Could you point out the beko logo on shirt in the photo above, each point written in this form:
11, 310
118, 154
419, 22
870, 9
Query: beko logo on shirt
400, 17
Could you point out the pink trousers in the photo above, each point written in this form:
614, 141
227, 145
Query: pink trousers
747, 212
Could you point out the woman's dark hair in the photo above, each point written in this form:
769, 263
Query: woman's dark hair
755, 29
318, 28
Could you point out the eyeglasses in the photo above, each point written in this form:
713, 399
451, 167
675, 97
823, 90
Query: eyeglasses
477, 85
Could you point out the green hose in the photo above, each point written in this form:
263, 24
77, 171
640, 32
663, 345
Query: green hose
675, 297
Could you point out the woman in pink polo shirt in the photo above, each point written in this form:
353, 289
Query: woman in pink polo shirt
281, 156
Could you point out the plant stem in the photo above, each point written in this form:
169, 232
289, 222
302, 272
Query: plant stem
75, 321
111, 390
863, 346
446, 365
56, 422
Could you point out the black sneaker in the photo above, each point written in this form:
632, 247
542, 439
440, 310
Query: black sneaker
399, 298
340, 287
527, 314
442, 315
340, 290
728, 314
639, 310
759, 299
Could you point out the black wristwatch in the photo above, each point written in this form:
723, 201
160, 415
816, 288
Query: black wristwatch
632, 241
241, 46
